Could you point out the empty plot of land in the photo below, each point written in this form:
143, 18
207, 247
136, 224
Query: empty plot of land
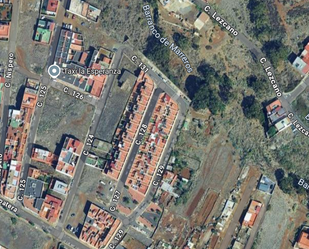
217, 166
63, 114
195, 202
202, 216
115, 105
172, 229
97, 188
275, 223
218, 173
20, 235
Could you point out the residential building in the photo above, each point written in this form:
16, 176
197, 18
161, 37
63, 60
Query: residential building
44, 156
99, 227
302, 241
33, 194
185, 174
70, 55
59, 187
34, 188
152, 146
5, 19
16, 137
50, 7
69, 156
44, 31
201, 20
252, 213
51, 208
5, 30
278, 116
129, 124
84, 10
266, 185
301, 63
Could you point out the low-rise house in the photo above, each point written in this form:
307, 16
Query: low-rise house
5, 28
69, 156
252, 213
44, 31
51, 208
59, 187
50, 7
278, 116
99, 227
185, 174
302, 241
266, 185
44, 156
84, 10
201, 20
301, 63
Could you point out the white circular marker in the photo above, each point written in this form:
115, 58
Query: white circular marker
54, 71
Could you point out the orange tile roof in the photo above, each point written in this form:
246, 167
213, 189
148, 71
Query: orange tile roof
303, 240
5, 31
273, 105
52, 5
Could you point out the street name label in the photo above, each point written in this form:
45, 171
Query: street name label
9, 70
91, 71
173, 47
221, 21
271, 77
8, 205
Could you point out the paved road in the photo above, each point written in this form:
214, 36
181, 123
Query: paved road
291, 96
6, 91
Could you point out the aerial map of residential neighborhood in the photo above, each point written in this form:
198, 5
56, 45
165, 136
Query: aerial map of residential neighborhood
160, 124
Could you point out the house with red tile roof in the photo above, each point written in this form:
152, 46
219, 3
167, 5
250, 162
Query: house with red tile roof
69, 156
152, 147
51, 208
16, 138
99, 227
50, 7
132, 118
302, 241
5, 28
44, 156
301, 63
252, 213
277, 116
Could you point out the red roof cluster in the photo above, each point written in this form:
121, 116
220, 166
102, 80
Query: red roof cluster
133, 115
16, 138
150, 151
99, 227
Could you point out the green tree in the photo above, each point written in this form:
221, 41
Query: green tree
276, 52
286, 184
13, 220
252, 109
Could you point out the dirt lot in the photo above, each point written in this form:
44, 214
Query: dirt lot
172, 229
15, 237
115, 105
62, 114
275, 223
29, 54
90, 190
200, 218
